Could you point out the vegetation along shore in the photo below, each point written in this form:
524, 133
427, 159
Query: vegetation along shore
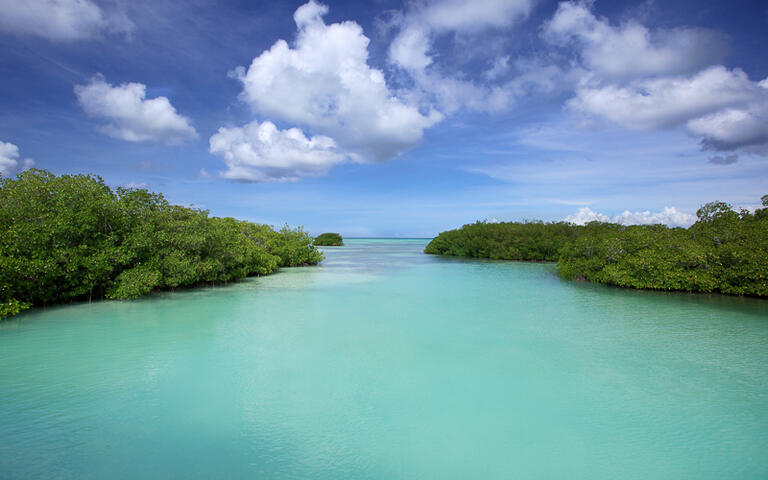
71, 237
724, 251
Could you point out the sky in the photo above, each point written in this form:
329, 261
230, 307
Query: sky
390, 118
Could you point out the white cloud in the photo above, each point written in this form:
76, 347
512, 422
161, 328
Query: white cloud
60, 20
471, 15
733, 128
410, 48
260, 152
309, 13
668, 101
325, 84
721, 107
669, 216
586, 215
136, 185
632, 50
425, 21
9, 160
133, 116
646, 79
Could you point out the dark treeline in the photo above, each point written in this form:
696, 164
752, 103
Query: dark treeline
71, 237
329, 240
724, 251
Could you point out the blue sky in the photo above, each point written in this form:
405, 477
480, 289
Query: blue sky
386, 118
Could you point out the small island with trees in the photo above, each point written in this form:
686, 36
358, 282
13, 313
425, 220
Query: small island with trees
724, 251
329, 240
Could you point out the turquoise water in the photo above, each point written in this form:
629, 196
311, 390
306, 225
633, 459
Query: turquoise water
385, 363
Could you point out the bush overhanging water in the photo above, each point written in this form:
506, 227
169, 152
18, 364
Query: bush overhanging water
724, 251
71, 237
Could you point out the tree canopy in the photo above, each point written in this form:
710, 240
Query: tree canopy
724, 251
71, 237
329, 240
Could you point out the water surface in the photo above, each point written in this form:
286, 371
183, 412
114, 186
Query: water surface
384, 363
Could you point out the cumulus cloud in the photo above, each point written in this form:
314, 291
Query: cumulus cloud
10, 164
647, 79
586, 215
424, 21
668, 101
324, 83
131, 115
734, 128
410, 48
260, 152
722, 107
631, 49
60, 20
668, 216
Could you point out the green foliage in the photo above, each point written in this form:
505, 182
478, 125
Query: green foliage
294, 248
135, 282
12, 307
70, 237
529, 241
329, 240
724, 251
647, 256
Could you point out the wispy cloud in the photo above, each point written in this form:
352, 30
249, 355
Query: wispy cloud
61, 20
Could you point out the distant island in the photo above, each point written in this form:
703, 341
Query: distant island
724, 251
329, 240
71, 237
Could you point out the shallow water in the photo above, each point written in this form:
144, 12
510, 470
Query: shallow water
387, 363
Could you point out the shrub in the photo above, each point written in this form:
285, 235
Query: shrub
329, 240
